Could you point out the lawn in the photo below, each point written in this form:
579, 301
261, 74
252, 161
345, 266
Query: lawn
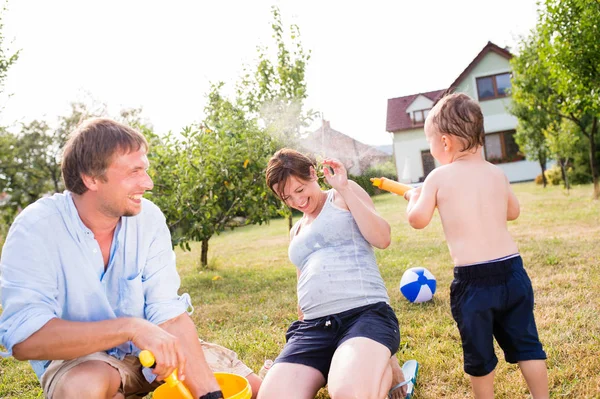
251, 303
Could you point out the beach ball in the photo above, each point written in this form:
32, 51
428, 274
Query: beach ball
417, 284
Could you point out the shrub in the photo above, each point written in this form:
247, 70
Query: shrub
554, 176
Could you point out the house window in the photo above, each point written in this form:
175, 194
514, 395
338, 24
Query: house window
420, 115
496, 86
501, 147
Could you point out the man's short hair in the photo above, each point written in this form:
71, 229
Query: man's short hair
90, 149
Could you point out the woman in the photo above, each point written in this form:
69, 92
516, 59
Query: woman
346, 331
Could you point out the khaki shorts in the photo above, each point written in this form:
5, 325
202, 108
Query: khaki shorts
133, 383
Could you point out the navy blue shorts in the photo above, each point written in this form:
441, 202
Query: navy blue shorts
313, 342
494, 299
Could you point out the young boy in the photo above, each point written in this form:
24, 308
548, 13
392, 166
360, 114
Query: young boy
491, 295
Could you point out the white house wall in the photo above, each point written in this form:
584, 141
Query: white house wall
407, 152
409, 144
421, 102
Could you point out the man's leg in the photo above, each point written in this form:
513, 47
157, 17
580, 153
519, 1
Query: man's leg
94, 379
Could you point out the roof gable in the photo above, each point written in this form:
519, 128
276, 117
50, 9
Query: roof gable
398, 117
420, 102
489, 47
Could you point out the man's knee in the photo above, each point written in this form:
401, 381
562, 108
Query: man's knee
93, 379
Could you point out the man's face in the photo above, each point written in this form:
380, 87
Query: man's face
125, 181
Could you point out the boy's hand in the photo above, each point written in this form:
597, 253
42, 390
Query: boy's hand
413, 193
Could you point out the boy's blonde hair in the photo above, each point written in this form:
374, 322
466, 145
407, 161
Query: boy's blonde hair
459, 115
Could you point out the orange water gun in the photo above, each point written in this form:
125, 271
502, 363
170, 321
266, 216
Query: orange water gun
390, 185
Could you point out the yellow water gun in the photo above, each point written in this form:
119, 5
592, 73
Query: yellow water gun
390, 185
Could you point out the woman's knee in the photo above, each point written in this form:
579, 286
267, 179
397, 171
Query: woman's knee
93, 379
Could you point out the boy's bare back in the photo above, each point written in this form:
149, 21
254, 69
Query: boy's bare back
474, 200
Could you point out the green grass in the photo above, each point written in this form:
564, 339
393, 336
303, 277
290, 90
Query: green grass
249, 308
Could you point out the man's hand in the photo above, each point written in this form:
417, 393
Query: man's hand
164, 346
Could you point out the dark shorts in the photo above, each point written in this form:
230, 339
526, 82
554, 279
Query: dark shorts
489, 300
313, 342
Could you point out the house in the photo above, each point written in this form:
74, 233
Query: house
326, 142
487, 80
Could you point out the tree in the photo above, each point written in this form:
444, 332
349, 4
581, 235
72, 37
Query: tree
570, 31
212, 176
6, 61
531, 89
275, 90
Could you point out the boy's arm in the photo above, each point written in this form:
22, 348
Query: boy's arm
422, 202
513, 209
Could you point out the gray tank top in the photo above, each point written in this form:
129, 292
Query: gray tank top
338, 270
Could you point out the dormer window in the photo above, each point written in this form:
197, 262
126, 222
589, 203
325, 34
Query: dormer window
418, 116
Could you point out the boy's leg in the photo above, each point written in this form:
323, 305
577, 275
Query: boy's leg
536, 375
483, 387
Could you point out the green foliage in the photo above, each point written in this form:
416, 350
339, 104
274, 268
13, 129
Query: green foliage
383, 170
212, 176
30, 166
556, 78
274, 91
6, 60
554, 176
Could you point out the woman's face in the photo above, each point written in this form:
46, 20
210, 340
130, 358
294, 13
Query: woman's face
303, 195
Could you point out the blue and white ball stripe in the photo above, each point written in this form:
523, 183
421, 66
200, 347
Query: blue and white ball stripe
417, 284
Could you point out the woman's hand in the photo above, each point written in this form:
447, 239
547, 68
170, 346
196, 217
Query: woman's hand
339, 179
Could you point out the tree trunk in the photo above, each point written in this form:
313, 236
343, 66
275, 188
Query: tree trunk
543, 166
204, 255
563, 171
593, 165
290, 221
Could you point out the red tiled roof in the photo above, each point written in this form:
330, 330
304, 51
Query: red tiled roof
397, 118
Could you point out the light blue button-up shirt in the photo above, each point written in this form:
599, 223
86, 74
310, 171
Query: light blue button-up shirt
52, 266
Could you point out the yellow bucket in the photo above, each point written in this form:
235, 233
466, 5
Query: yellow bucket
234, 386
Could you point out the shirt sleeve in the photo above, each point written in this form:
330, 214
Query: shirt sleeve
161, 280
28, 284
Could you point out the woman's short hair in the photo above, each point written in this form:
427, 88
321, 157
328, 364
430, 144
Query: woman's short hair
285, 163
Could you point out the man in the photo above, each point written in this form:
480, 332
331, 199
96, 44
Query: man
88, 279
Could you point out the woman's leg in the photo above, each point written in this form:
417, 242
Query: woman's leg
291, 381
360, 369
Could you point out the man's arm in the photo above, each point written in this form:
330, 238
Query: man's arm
422, 202
165, 308
199, 378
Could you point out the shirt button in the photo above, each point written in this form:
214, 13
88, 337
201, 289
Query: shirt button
94, 250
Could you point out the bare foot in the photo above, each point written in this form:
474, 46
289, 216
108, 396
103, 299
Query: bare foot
397, 377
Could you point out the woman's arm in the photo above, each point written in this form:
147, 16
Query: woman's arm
372, 226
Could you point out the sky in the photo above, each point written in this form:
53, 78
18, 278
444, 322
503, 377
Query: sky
163, 55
